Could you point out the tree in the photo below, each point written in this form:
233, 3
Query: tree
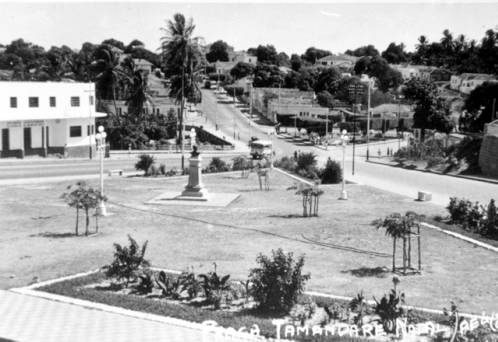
431, 112
379, 68
241, 70
328, 80
81, 196
135, 43
266, 54
137, 89
480, 104
295, 62
362, 51
218, 52
108, 73
395, 54
182, 61
312, 54
325, 99
397, 227
266, 75
114, 42
283, 59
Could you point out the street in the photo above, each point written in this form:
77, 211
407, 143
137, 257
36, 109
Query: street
396, 180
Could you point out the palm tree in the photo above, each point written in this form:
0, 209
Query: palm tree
396, 228
106, 65
137, 89
182, 60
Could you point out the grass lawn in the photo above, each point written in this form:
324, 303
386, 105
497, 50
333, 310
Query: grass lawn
35, 243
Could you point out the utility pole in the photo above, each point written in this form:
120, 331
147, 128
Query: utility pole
493, 113
368, 120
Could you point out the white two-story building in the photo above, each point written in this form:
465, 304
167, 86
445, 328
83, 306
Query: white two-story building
41, 118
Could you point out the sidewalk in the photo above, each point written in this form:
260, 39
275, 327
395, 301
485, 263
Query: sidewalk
32, 319
390, 163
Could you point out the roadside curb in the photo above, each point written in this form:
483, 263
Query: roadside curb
461, 237
478, 179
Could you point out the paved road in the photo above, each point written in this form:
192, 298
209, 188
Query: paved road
37, 168
397, 180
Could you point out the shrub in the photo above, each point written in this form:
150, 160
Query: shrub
360, 307
389, 308
278, 281
458, 209
331, 173
286, 163
306, 160
215, 287
217, 165
144, 163
491, 222
207, 85
169, 286
240, 163
162, 169
189, 284
146, 283
435, 161
127, 261
303, 310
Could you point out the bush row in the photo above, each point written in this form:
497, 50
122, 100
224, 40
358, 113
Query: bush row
475, 217
147, 163
305, 165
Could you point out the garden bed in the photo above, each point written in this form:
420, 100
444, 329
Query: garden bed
96, 287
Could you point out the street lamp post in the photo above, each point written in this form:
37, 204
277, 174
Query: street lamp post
100, 140
344, 139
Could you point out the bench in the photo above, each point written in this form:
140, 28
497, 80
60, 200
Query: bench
424, 196
118, 172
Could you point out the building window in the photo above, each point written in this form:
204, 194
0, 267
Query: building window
52, 101
74, 131
91, 100
13, 102
75, 101
33, 102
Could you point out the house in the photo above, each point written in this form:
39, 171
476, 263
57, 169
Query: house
391, 115
467, 82
143, 65
342, 61
223, 68
408, 72
242, 56
284, 110
261, 98
40, 118
434, 74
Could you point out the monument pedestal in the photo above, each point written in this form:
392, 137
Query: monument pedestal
195, 190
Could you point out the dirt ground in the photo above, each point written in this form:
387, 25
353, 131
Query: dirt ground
36, 240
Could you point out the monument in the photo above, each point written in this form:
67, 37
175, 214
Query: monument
194, 193
194, 190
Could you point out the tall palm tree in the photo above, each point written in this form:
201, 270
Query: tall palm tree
182, 60
106, 66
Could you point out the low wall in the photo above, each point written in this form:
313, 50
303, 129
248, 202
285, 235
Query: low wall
488, 156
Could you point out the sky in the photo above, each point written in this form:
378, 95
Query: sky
290, 27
